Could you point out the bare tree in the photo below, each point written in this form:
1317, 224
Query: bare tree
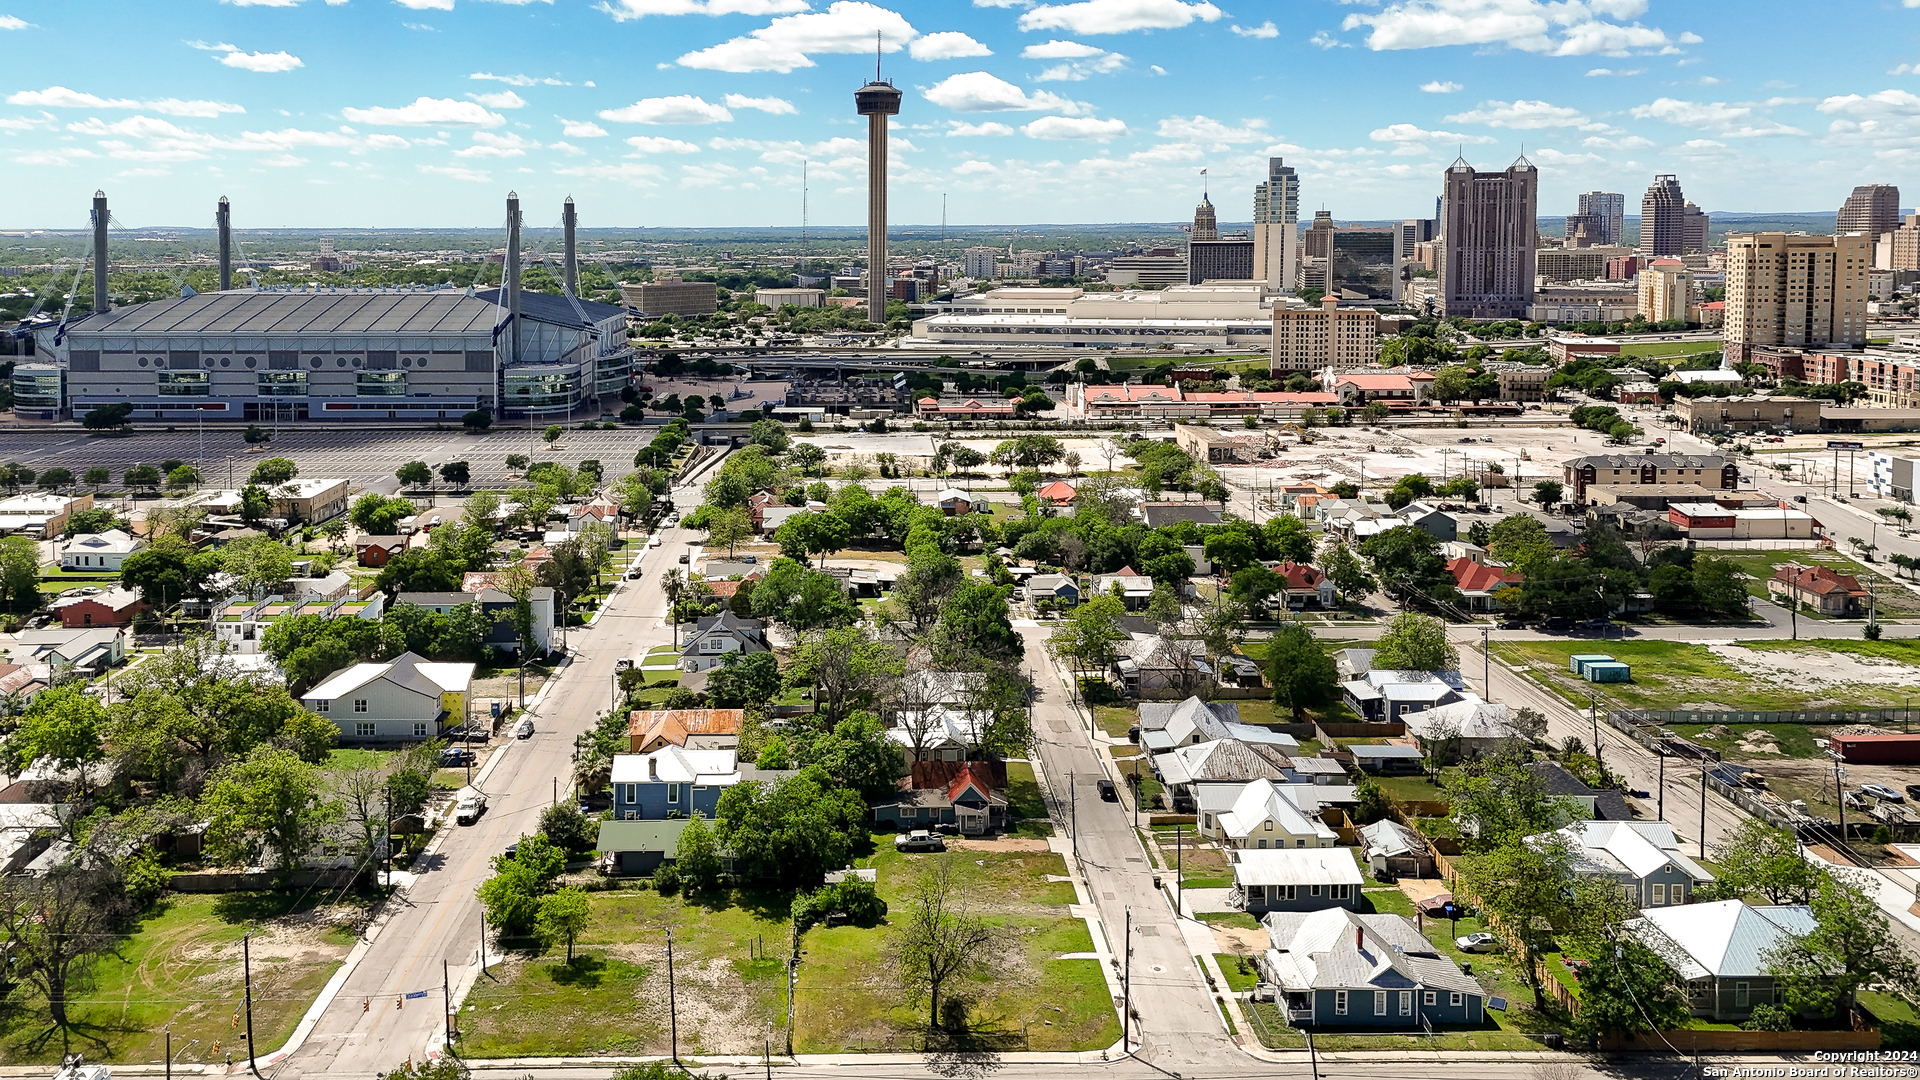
938, 935
57, 926
362, 795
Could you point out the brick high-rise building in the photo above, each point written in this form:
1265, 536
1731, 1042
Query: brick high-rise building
1315, 339
1662, 218
1872, 209
1205, 227
1693, 229
1797, 291
1487, 235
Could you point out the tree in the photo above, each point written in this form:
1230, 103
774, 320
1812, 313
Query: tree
938, 936
1411, 568
1346, 573
844, 666
108, 417
697, 856
256, 562
518, 462
1548, 492
792, 832
976, 622
1628, 986
476, 421
270, 800
57, 926
165, 571
1757, 859
563, 917
62, 730
568, 828
377, 515
919, 594
856, 753
1415, 642
1850, 947
274, 472
1088, 637
456, 473
96, 476
512, 895
728, 527
254, 504
56, 477
1526, 887
414, 474
1303, 675
1521, 540
806, 534
182, 478
808, 458
20, 572
552, 435
1407, 489
1231, 549
1287, 538
141, 476
771, 434
749, 680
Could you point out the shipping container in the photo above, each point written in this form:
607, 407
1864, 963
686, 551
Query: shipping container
1877, 749
1609, 671
1577, 663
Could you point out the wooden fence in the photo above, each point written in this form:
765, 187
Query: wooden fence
1721, 1042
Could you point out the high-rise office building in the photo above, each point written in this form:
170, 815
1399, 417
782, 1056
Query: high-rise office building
1307, 339
1204, 225
1585, 230
1365, 264
1899, 248
1610, 207
1693, 229
1319, 243
981, 260
1276, 227
1227, 259
1662, 218
1796, 291
1487, 237
1872, 209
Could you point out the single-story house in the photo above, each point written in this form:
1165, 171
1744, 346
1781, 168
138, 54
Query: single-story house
1334, 968
1134, 589
1720, 950
1261, 818
1642, 856
695, 729
1386, 758
495, 606
969, 794
113, 607
1600, 804
89, 650
1165, 725
1152, 665
1315, 770
1818, 589
1429, 519
1057, 492
1219, 761
1294, 879
1391, 848
639, 847
1386, 695
1058, 588
1160, 514
377, 550
1306, 586
99, 551
326, 588
1476, 728
953, 502
671, 781
405, 699
1481, 583
715, 636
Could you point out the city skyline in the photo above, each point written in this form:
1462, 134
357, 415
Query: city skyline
698, 113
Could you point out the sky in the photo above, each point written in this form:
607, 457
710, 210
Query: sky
692, 113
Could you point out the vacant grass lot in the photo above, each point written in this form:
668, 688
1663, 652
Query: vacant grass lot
1892, 600
1667, 348
181, 966
1795, 740
1670, 674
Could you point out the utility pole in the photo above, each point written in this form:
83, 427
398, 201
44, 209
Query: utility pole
1593, 714
1703, 809
1179, 870
446, 992
769, 1050
673, 1008
483, 941
1661, 812
246, 965
389, 846
1313, 1058
1486, 662
1126, 986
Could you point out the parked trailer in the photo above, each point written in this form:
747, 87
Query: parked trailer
1876, 749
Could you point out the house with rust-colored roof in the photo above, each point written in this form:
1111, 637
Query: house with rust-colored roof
1478, 582
1059, 492
1819, 589
695, 729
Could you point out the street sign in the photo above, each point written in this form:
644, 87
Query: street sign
1836, 445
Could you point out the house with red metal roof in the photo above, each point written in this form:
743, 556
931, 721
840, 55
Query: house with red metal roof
1479, 582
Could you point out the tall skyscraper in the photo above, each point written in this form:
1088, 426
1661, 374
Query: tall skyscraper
1872, 209
1320, 235
1487, 237
1693, 229
1795, 291
877, 101
1205, 227
1610, 207
980, 261
1662, 212
1276, 227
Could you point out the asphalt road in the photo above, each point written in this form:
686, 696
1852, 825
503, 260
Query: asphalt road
438, 920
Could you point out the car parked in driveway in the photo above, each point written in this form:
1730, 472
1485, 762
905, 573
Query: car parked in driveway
919, 840
454, 757
1477, 942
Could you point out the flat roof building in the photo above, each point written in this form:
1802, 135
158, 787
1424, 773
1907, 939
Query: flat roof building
1796, 291
672, 296
1325, 338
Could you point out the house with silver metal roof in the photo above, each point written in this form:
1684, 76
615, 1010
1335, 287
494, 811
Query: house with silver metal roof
1334, 968
1642, 856
1293, 879
1720, 950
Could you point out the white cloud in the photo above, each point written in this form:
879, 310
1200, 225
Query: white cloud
1003, 3
427, 112
1323, 40
1061, 50
968, 168
65, 156
1558, 28
486, 144
1411, 133
660, 144
426, 5
624, 10
847, 26
426, 27
635, 173
1624, 142
1526, 116
581, 129
1606, 72
978, 91
946, 45
777, 106
474, 176
1549, 156
1208, 131
1886, 118
1264, 30
1905, 69
566, 148
12, 22
1732, 121
505, 99
958, 130
262, 62
1437, 87
1072, 127
59, 97
679, 109
1118, 16
1082, 60
385, 142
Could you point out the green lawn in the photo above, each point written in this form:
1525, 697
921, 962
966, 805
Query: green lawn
1410, 788
1238, 981
1116, 719
1795, 740
181, 966
1125, 768
1899, 1026
1023, 791
1668, 348
1230, 918
1388, 900
1892, 600
1669, 674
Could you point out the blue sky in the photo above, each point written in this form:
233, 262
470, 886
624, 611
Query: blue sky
394, 113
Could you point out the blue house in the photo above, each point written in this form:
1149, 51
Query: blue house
671, 781
1337, 969
1293, 879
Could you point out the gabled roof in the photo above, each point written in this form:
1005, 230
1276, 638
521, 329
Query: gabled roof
1057, 491
1473, 577
727, 624
408, 671
939, 774
1554, 779
1222, 759
1335, 949
1819, 580
1207, 715
1260, 802
1636, 848
1295, 866
1724, 939
677, 765
112, 600
1389, 838
1050, 583
1470, 717
688, 721
1158, 514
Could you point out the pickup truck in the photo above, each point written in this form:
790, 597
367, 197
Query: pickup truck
469, 808
918, 840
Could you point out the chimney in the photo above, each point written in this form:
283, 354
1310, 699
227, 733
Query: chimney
100, 219
1359, 937
653, 768
573, 264
510, 277
223, 220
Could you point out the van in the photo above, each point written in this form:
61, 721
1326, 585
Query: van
1107, 793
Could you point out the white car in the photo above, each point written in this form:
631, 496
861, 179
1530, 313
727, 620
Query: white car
1480, 942
469, 808
655, 542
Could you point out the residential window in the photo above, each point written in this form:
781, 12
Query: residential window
320, 705
1315, 892
1659, 895
1257, 894
365, 729
1428, 997
1406, 1003
1340, 1003
1456, 999
1677, 894
1341, 892
632, 793
673, 792
1740, 995
419, 730
631, 815
1379, 1003
1299, 843
710, 645
360, 704
1269, 826
1263, 843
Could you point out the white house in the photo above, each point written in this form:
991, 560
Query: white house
713, 637
1643, 857
1475, 726
944, 733
402, 700
99, 551
1262, 817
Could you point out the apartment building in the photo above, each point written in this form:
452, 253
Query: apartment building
1327, 337
1796, 291
1666, 291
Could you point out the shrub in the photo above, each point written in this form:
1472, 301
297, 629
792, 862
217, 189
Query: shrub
1768, 1017
852, 897
666, 878
146, 878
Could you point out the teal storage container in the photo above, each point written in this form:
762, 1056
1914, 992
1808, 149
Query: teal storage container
1577, 663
